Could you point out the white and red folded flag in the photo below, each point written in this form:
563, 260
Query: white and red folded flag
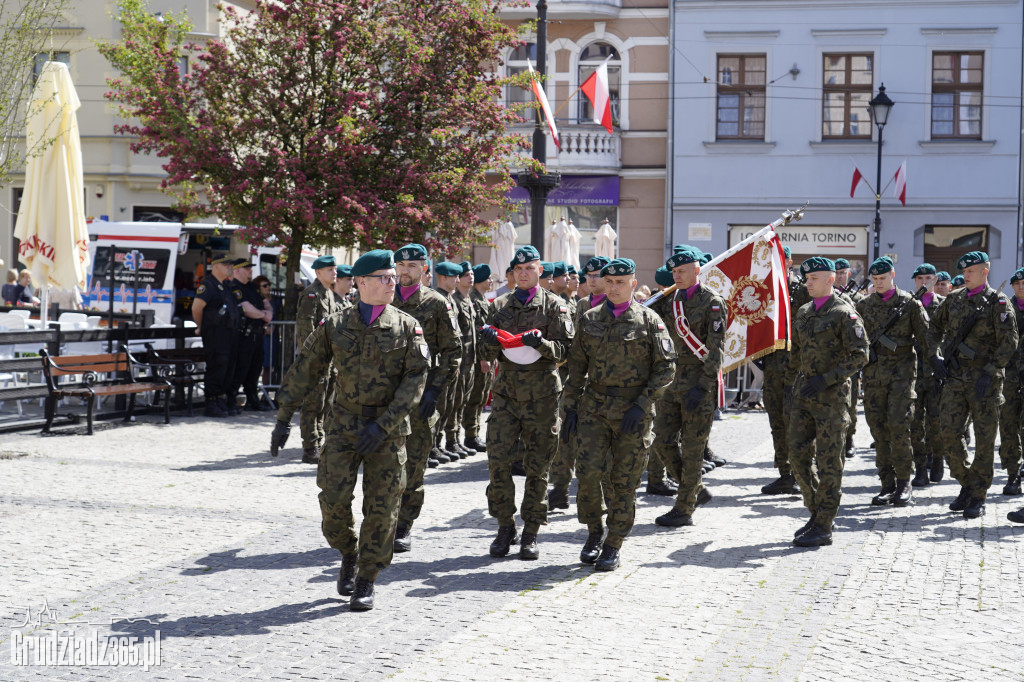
857, 177
900, 190
595, 87
538, 91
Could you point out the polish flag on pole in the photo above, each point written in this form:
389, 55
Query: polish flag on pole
857, 177
538, 91
596, 90
900, 189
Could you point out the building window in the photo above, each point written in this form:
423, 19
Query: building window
741, 95
956, 94
592, 57
43, 57
846, 91
515, 65
182, 66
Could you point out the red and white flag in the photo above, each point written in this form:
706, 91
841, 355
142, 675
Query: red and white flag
857, 177
900, 189
596, 90
538, 91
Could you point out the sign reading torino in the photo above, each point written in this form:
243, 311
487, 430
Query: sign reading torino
812, 239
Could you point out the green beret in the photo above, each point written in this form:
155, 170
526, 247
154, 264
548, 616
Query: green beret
663, 277
595, 264
619, 266
706, 258
817, 264
571, 268
972, 258
959, 281
466, 267
682, 255
242, 263
559, 268
680, 247
547, 270
411, 252
510, 269
787, 251
526, 254
481, 272
225, 259
880, 266
325, 262
372, 261
924, 269
842, 264
941, 276
1017, 276
344, 270
447, 269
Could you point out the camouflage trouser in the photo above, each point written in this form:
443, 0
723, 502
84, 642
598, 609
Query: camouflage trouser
924, 430
311, 420
959, 403
683, 456
774, 393
889, 409
417, 448
563, 464
383, 483
463, 387
655, 467
533, 424
610, 466
1010, 427
445, 407
472, 416
817, 431
854, 396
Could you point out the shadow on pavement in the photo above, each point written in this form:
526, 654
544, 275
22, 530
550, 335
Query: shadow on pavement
233, 624
256, 460
229, 560
749, 556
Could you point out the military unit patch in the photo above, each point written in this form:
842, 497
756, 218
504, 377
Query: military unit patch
1003, 317
424, 350
859, 331
717, 325
666, 344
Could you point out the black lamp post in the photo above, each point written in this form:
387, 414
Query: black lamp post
880, 106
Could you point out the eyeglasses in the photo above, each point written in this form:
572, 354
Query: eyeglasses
384, 279
264, 286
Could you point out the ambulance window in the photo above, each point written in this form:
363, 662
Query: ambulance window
272, 271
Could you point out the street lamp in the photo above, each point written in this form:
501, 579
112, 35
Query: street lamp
879, 106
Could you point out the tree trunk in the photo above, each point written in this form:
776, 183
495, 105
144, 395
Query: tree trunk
291, 295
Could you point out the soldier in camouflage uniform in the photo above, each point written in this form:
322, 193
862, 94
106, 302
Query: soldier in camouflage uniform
658, 481
316, 302
924, 429
524, 407
978, 329
483, 371
829, 346
447, 281
686, 411
433, 314
895, 321
943, 284
1010, 413
620, 363
382, 362
853, 297
468, 325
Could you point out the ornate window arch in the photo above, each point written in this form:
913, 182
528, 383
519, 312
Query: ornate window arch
590, 57
516, 63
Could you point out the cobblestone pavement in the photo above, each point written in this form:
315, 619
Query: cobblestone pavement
193, 527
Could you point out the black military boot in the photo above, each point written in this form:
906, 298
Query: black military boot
403, 539
475, 443
1016, 516
848, 448
558, 498
347, 574
674, 519
528, 550
1012, 486
592, 547
886, 496
706, 467
807, 526
452, 445
783, 485
231, 405
665, 488
975, 508
936, 469
518, 469
439, 455
710, 456
431, 462
507, 536
311, 455
921, 474
904, 493
815, 536
214, 409
704, 496
609, 559
362, 598
960, 503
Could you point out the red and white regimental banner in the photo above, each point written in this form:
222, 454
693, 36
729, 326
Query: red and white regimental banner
752, 278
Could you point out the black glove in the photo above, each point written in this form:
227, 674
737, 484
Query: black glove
279, 436
938, 367
631, 420
370, 438
569, 425
532, 338
693, 398
982, 385
489, 335
428, 403
813, 386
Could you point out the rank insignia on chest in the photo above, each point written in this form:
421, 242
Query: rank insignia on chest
201, 289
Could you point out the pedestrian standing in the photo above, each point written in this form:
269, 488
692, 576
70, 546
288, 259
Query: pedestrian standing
218, 316
256, 314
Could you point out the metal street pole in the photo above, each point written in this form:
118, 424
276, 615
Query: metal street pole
878, 197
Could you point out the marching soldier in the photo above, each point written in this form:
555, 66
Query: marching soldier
620, 363
979, 341
1010, 413
697, 320
483, 371
943, 284
829, 346
217, 316
924, 428
524, 408
895, 321
658, 482
447, 281
316, 302
468, 325
382, 363
433, 313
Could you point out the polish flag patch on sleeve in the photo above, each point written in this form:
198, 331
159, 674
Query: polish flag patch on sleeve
419, 330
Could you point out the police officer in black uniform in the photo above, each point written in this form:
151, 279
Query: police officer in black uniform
217, 315
249, 360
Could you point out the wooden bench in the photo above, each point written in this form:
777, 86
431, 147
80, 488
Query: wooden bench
185, 367
120, 379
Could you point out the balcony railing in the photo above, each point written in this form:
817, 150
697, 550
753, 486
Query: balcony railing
584, 147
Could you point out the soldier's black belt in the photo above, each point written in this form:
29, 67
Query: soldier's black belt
369, 411
627, 392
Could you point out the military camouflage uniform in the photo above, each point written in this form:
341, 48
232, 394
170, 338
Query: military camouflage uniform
853, 298
524, 406
777, 389
472, 416
682, 435
316, 302
829, 341
924, 430
446, 403
889, 379
564, 461
433, 314
381, 372
623, 361
987, 349
468, 327
1010, 413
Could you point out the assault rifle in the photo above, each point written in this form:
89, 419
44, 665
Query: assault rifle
879, 337
956, 345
